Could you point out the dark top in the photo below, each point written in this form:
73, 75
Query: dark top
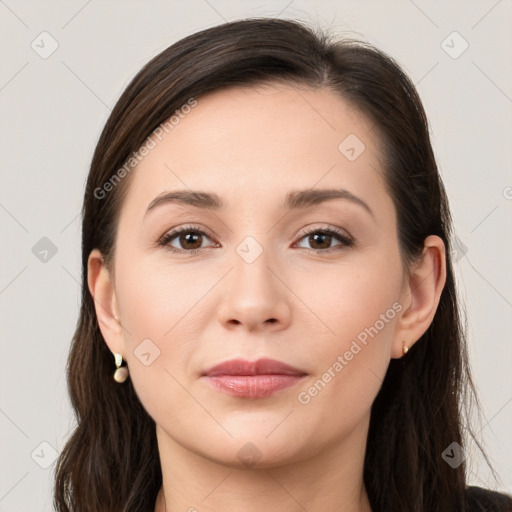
484, 500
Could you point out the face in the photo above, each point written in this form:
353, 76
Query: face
313, 281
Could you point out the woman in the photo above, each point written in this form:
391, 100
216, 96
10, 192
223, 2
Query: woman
305, 352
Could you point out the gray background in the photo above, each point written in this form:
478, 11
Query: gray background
52, 111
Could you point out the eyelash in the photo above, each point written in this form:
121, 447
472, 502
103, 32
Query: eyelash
347, 241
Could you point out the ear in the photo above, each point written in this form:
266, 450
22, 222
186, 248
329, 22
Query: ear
102, 290
421, 294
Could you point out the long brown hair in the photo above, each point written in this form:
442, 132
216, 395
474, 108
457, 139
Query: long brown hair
111, 461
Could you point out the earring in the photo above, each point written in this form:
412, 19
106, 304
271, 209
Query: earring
121, 373
405, 348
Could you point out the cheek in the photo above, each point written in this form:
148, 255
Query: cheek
349, 368
156, 300
160, 310
351, 302
160, 339
351, 337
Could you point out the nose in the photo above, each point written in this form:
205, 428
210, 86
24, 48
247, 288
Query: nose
254, 296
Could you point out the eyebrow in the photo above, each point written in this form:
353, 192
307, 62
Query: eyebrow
294, 199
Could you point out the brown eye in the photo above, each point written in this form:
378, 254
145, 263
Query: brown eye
321, 239
188, 238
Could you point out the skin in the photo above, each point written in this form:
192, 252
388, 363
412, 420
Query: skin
252, 146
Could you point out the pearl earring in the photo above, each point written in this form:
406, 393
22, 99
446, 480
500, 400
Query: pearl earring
121, 373
405, 348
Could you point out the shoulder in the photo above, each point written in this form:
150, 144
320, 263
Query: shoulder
484, 500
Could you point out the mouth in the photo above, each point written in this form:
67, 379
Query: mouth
258, 379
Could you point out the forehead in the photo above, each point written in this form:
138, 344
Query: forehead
248, 142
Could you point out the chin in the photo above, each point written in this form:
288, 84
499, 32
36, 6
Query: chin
247, 454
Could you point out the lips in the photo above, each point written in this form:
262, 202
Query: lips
258, 379
263, 366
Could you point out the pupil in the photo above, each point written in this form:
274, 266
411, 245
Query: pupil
189, 238
315, 237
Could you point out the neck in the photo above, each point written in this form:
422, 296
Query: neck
330, 480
